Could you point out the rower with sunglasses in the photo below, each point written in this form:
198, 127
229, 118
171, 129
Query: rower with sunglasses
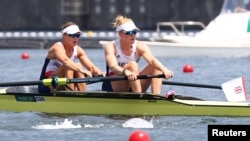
66, 59
122, 56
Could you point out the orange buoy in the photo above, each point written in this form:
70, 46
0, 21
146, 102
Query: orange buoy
25, 55
139, 135
188, 68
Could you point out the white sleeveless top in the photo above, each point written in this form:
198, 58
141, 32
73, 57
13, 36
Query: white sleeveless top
124, 59
54, 64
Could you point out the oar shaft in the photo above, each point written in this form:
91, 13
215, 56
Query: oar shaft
24, 83
110, 78
191, 85
63, 81
45, 82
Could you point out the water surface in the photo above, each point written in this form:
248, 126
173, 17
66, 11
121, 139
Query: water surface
207, 70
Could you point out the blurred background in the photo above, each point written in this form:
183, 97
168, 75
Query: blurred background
98, 14
37, 23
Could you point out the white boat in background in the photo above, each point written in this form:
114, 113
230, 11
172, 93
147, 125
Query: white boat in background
228, 35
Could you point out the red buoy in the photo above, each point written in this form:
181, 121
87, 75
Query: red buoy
139, 135
25, 55
188, 68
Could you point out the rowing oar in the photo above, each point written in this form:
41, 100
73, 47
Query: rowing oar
63, 81
191, 85
234, 90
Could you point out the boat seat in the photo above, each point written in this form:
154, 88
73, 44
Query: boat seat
22, 89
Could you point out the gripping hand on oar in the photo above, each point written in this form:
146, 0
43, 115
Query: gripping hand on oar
168, 73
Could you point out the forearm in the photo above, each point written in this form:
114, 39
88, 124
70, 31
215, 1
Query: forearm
95, 70
159, 65
117, 69
74, 66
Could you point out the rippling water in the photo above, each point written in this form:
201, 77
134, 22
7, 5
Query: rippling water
207, 70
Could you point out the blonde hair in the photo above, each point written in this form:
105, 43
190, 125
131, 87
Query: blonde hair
68, 24
120, 20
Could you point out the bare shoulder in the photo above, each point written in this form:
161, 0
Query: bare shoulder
55, 50
56, 46
80, 50
142, 45
108, 45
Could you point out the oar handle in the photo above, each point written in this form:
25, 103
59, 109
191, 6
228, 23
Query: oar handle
150, 76
191, 85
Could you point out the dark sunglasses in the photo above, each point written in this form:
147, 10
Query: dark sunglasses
76, 35
130, 32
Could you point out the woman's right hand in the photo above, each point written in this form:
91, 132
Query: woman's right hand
87, 73
103, 74
130, 75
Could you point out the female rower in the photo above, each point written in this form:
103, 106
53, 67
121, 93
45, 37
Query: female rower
122, 56
61, 61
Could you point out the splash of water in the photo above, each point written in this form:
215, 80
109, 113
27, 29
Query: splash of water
138, 123
67, 124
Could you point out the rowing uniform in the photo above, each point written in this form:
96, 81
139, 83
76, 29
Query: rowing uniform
121, 59
50, 66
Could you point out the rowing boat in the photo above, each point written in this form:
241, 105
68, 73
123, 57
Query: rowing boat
23, 99
26, 98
